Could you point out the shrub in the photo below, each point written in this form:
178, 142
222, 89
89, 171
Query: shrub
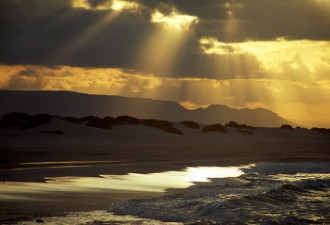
72, 119
128, 120
286, 126
190, 124
162, 125
236, 125
214, 128
322, 130
111, 121
38, 120
232, 124
15, 119
94, 121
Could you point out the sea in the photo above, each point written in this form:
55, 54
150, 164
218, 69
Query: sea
264, 193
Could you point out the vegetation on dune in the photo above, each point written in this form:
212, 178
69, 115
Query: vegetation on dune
111, 121
286, 126
322, 130
162, 125
214, 128
94, 121
72, 119
128, 120
37, 120
236, 125
24, 120
301, 128
15, 119
190, 124
107, 122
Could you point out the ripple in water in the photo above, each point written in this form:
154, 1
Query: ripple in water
266, 194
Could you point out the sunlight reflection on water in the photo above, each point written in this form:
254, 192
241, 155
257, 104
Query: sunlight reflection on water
98, 217
155, 182
152, 182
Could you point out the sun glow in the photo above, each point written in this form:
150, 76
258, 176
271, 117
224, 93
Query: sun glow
292, 99
121, 5
115, 8
116, 5
174, 20
160, 50
294, 73
279, 55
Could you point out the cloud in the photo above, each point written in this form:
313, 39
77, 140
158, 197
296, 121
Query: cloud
261, 19
41, 33
200, 91
289, 98
280, 59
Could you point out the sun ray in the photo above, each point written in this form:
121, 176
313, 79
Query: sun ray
112, 9
117, 5
160, 50
174, 20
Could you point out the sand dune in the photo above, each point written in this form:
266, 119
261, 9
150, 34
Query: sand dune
138, 142
32, 155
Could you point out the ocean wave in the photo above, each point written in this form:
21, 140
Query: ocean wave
260, 196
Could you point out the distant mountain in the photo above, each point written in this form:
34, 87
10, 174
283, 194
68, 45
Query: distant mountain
65, 103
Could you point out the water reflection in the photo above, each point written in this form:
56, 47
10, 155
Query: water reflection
153, 182
99, 217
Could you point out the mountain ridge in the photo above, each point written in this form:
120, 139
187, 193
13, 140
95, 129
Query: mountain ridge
67, 103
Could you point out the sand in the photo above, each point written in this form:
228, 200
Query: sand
131, 143
88, 151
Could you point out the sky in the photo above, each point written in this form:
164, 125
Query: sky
240, 53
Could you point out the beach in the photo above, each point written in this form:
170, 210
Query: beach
35, 158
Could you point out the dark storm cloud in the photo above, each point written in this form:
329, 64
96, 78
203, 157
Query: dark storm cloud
35, 31
258, 19
34, 37
95, 3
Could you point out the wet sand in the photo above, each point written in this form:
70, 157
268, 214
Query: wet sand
33, 195
89, 152
44, 202
59, 203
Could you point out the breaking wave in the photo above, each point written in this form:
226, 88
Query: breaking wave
268, 193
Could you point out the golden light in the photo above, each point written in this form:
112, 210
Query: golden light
296, 100
272, 54
191, 105
231, 22
174, 20
123, 5
202, 174
211, 45
116, 5
160, 50
293, 74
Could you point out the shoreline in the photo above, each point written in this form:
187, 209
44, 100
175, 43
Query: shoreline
38, 171
33, 156
34, 205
